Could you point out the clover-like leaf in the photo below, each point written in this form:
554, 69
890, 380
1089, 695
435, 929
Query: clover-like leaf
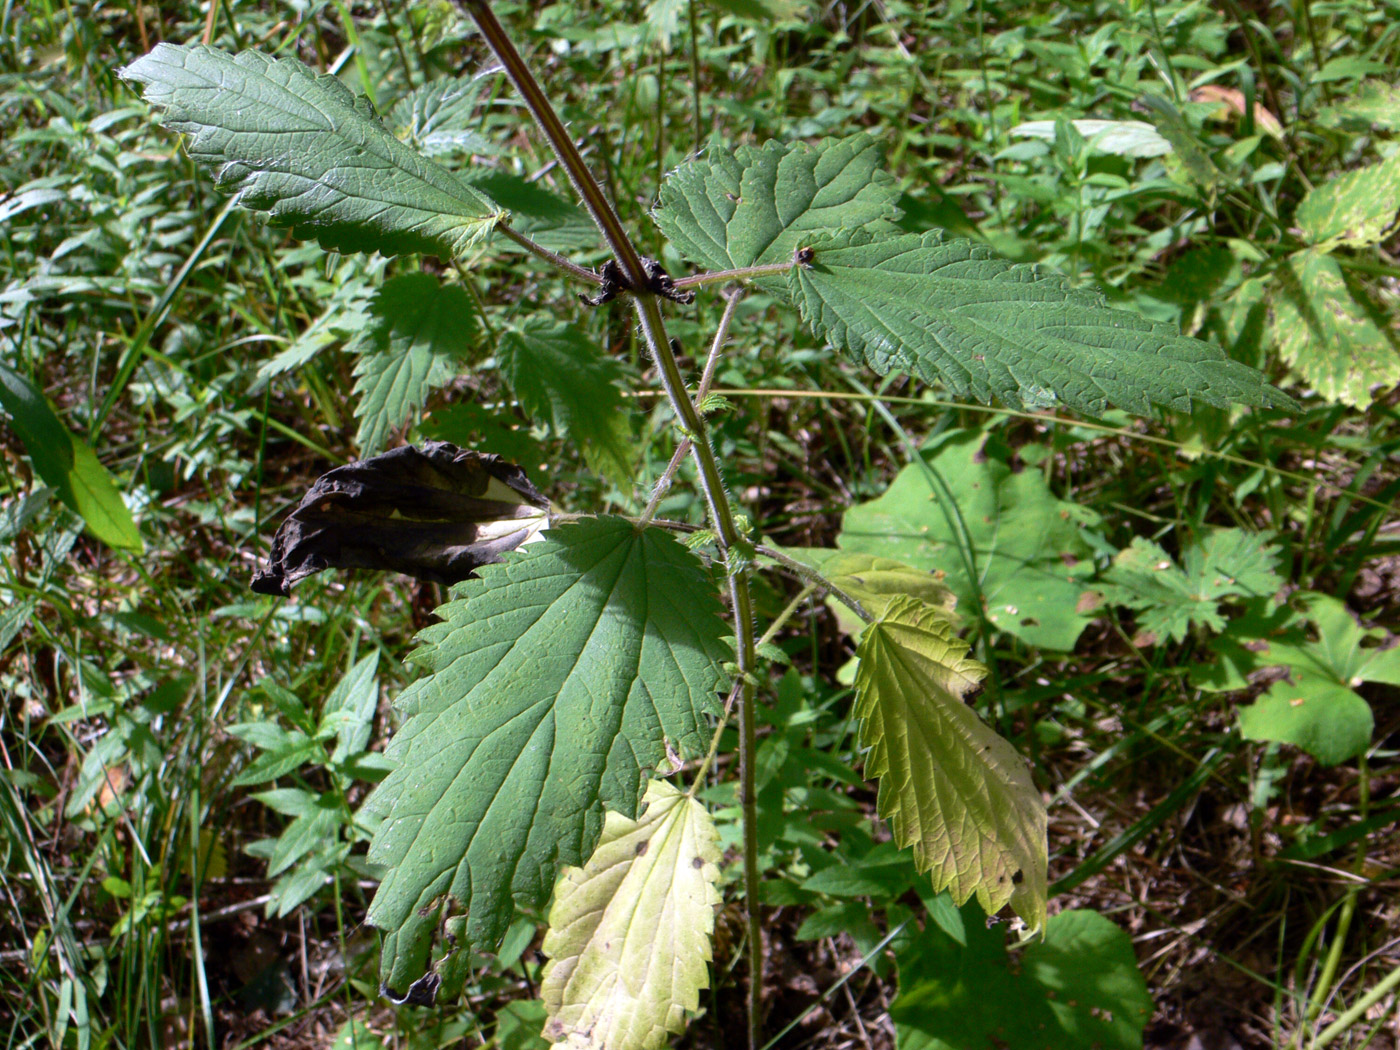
629, 932
1002, 539
299, 146
419, 336
554, 683
951, 312
954, 790
758, 204
1226, 563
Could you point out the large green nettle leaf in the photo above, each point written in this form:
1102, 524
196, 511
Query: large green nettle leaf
419, 336
1003, 539
555, 682
301, 147
629, 932
952, 789
759, 204
952, 312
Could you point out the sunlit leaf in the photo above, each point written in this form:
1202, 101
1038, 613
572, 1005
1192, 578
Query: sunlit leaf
629, 932
554, 683
951, 312
299, 146
1124, 138
1326, 326
1355, 208
951, 788
872, 581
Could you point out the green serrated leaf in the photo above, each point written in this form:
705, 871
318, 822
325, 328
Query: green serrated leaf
1226, 563
629, 932
555, 682
952, 789
1003, 541
548, 219
440, 117
1077, 988
67, 464
560, 376
1354, 209
419, 335
951, 312
1326, 327
299, 146
758, 204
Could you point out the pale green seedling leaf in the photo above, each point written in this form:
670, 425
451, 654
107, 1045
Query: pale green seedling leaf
1340, 345
759, 204
561, 377
1355, 208
1003, 540
299, 146
872, 581
629, 932
1076, 988
419, 336
1226, 563
555, 682
67, 464
1327, 720
951, 312
951, 788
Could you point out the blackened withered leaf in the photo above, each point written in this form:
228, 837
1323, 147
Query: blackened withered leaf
436, 513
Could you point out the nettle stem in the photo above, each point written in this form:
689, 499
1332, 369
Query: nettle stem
733, 545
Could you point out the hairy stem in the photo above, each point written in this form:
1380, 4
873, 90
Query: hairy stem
743, 273
554, 259
732, 543
559, 140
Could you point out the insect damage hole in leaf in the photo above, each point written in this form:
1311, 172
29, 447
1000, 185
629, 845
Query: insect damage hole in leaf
552, 686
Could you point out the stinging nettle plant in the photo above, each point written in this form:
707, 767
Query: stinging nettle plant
569, 670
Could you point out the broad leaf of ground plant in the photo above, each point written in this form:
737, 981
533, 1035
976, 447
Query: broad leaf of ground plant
557, 679
1373, 104
1227, 563
1004, 540
951, 788
419, 337
759, 204
301, 147
560, 376
67, 464
440, 117
1328, 328
1077, 988
1317, 707
629, 932
951, 312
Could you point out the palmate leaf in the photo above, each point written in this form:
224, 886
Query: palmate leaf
419, 336
1226, 563
953, 313
560, 376
301, 147
759, 204
629, 932
952, 789
554, 683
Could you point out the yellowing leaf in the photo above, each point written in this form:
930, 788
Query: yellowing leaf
952, 789
1355, 208
873, 581
629, 937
